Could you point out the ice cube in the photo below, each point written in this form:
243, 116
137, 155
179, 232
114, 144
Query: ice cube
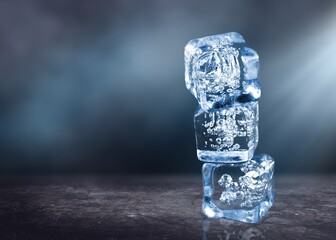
227, 135
221, 70
236, 194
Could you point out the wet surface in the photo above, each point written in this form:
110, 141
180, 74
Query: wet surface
155, 207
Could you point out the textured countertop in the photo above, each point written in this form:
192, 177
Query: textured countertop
155, 207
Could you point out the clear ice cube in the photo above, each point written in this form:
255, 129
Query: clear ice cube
229, 135
220, 70
242, 192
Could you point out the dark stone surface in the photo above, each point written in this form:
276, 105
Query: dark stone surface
155, 207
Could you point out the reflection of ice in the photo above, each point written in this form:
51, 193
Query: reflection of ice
224, 229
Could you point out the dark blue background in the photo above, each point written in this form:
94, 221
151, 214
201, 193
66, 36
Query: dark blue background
98, 86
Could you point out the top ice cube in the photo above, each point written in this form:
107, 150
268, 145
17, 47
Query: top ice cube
221, 70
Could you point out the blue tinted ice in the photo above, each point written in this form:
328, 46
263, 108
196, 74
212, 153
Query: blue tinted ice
241, 192
220, 70
228, 135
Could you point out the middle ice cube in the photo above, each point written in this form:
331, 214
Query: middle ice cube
228, 135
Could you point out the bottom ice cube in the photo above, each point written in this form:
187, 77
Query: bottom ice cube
242, 192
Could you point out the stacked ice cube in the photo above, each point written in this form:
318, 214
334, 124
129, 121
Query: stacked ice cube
221, 71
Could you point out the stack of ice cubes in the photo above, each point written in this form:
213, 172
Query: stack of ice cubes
221, 71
